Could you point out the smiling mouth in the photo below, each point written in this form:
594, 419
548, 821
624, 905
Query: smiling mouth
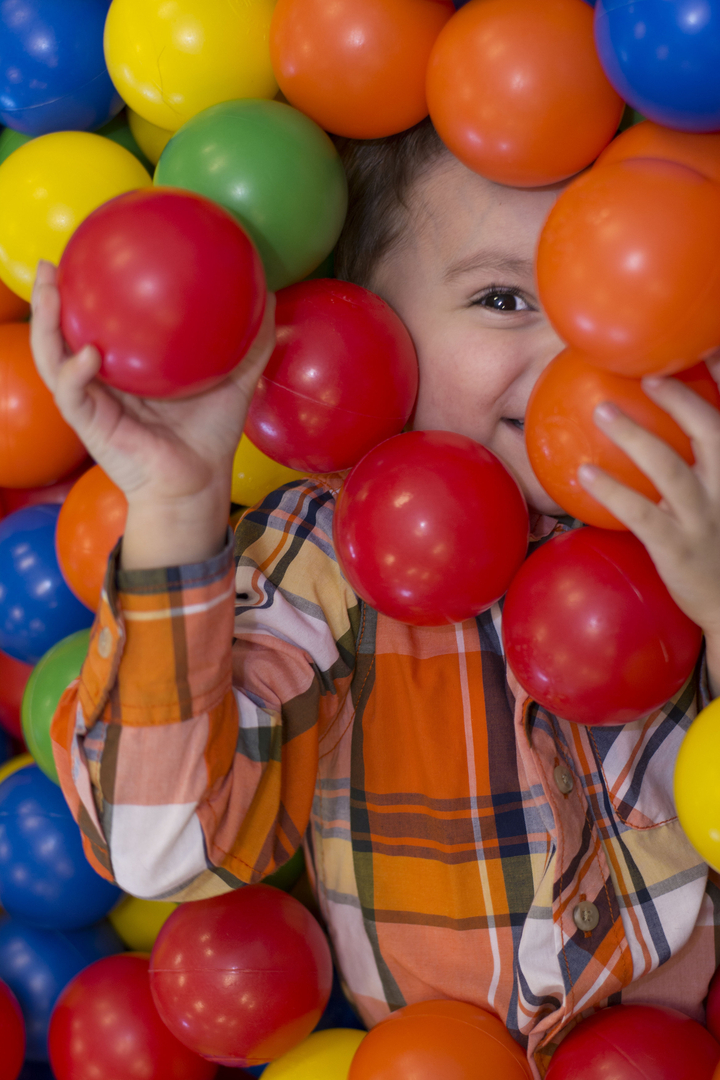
519, 425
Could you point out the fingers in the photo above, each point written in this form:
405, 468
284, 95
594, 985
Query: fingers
698, 419
255, 360
71, 385
640, 515
46, 338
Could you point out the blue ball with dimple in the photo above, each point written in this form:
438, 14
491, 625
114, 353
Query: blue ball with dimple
663, 58
53, 75
45, 879
37, 609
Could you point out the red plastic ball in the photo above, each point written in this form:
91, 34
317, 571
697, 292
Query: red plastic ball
342, 378
167, 286
712, 1007
105, 1025
636, 1042
12, 1034
243, 977
430, 528
591, 631
14, 675
91, 522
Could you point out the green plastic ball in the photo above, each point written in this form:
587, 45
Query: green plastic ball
275, 170
46, 685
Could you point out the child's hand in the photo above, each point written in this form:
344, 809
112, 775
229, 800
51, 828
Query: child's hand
171, 458
682, 532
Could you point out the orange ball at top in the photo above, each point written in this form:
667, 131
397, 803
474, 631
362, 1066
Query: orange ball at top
516, 90
650, 140
91, 521
356, 67
439, 1039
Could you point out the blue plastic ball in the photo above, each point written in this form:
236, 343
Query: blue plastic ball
37, 608
38, 964
45, 879
53, 75
663, 58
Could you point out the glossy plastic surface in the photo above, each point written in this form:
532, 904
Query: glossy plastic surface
105, 1020
255, 475
138, 922
357, 67
325, 1055
697, 798
627, 266
181, 308
561, 435
37, 608
663, 58
45, 879
636, 1042
12, 499
275, 170
52, 69
170, 61
12, 307
48, 682
243, 977
37, 446
417, 532
449, 1039
151, 139
649, 140
342, 378
14, 675
12, 1034
92, 520
37, 964
516, 90
592, 633
47, 187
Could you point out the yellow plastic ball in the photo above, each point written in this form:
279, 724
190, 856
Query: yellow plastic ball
255, 475
325, 1055
170, 59
697, 784
138, 922
47, 187
151, 139
14, 764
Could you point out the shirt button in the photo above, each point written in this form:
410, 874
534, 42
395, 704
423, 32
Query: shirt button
104, 642
586, 916
563, 779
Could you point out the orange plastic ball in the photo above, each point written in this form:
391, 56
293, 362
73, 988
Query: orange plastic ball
434, 1039
356, 67
516, 90
628, 267
649, 140
36, 445
12, 307
91, 522
560, 433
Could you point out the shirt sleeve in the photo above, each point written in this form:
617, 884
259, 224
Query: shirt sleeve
187, 749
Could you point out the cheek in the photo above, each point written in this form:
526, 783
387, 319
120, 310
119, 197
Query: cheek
460, 388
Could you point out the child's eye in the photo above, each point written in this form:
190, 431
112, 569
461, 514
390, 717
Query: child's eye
502, 300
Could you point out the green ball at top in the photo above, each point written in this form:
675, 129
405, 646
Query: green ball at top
47, 684
275, 170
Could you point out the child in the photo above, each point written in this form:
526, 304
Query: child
462, 841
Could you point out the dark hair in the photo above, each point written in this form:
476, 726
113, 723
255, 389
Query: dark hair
380, 174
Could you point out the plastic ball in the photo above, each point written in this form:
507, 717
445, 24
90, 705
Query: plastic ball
627, 266
243, 977
433, 1039
49, 186
138, 922
105, 1020
151, 139
92, 520
48, 682
181, 308
357, 67
663, 58
342, 378
561, 435
52, 73
37, 964
697, 785
12, 1034
633, 1042
17, 498
275, 170
255, 475
10, 140
37, 446
712, 1008
324, 1055
517, 93
396, 529
171, 61
648, 140
14, 764
118, 131
12, 307
45, 879
14, 675
591, 631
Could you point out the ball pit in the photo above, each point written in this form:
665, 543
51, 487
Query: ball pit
648, 140
151, 139
90, 523
12, 499
12, 1034
697, 788
47, 683
324, 1055
255, 475
138, 922
14, 675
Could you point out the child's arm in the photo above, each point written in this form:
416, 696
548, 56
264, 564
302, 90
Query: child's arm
682, 533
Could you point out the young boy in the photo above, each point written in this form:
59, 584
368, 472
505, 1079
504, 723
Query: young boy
463, 842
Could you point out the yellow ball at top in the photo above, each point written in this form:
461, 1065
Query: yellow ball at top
697, 784
170, 59
255, 475
14, 765
325, 1055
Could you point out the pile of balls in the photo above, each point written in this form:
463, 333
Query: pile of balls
174, 158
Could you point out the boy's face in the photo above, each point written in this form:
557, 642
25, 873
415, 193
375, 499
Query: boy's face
462, 280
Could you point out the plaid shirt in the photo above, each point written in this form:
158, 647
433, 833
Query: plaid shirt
419, 776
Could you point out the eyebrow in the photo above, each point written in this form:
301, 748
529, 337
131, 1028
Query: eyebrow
489, 259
